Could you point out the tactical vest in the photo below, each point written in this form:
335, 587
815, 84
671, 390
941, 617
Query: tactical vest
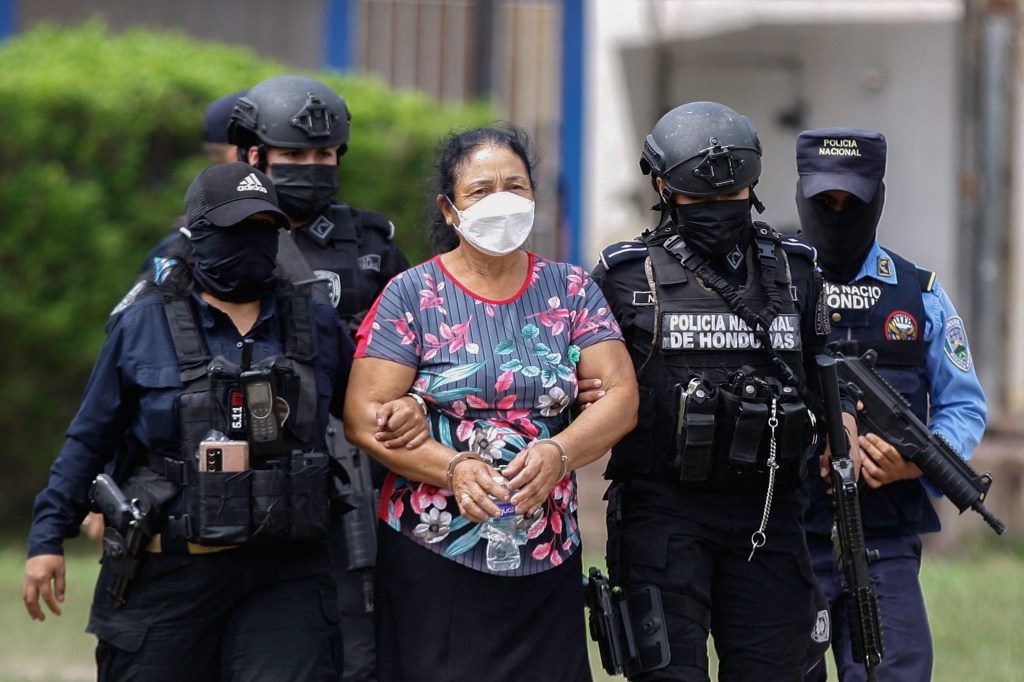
707, 386
350, 243
890, 320
283, 495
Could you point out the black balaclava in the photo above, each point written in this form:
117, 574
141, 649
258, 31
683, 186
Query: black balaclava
304, 189
842, 238
712, 228
236, 263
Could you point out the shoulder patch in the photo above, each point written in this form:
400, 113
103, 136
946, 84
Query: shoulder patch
621, 252
954, 345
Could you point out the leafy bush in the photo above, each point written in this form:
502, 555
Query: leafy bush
99, 138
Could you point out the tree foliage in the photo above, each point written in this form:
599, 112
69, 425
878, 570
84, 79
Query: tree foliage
99, 138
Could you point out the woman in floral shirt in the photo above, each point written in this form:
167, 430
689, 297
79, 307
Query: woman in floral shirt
491, 337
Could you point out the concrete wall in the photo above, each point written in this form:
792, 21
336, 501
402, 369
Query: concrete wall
899, 78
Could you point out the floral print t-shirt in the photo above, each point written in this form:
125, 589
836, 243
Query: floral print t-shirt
497, 376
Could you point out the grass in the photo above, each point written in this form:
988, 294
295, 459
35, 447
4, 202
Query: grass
976, 604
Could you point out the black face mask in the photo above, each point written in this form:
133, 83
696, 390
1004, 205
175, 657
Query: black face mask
235, 264
303, 190
712, 228
842, 238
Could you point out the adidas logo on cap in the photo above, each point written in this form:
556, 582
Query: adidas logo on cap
251, 184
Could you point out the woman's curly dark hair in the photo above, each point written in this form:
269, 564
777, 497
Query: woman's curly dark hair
455, 149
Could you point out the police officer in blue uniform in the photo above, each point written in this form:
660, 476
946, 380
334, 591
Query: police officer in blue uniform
230, 578
296, 129
880, 301
723, 318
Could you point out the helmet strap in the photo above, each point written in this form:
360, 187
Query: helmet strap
754, 201
261, 157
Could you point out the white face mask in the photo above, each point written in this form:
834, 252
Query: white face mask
498, 224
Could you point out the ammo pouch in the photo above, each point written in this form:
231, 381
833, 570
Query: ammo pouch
285, 502
725, 431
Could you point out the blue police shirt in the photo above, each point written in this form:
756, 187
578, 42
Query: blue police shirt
135, 385
957, 409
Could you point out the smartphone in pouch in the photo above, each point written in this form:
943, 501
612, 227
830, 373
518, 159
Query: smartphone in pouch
223, 455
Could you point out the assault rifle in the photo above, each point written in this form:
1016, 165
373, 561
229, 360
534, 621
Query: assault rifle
123, 534
609, 622
851, 553
888, 414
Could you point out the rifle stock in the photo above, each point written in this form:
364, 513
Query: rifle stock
852, 555
888, 414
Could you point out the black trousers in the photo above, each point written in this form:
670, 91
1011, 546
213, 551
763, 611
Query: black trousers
695, 545
267, 614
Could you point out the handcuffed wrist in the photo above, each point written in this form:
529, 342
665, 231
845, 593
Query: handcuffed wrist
561, 453
458, 457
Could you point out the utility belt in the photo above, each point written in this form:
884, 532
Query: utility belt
732, 429
285, 500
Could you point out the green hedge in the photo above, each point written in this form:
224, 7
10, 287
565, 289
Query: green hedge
99, 138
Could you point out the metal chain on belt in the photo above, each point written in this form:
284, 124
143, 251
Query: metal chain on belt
758, 539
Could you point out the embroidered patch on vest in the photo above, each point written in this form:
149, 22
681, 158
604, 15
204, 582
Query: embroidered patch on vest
724, 331
901, 326
734, 258
884, 267
321, 228
370, 262
822, 631
643, 298
333, 280
955, 344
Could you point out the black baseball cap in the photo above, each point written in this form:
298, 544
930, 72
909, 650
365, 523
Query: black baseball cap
847, 159
229, 193
218, 116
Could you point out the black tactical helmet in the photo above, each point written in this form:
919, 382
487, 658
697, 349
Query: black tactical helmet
290, 111
703, 149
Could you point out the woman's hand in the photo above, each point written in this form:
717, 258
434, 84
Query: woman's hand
473, 481
400, 423
532, 475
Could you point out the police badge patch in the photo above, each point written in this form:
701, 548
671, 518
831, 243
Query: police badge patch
955, 344
370, 262
901, 326
822, 631
333, 280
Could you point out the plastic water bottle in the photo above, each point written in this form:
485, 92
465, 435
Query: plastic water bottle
500, 531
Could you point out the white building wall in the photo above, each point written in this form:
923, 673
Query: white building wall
875, 69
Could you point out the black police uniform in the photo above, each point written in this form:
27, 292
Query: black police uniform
692, 483
354, 253
193, 601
